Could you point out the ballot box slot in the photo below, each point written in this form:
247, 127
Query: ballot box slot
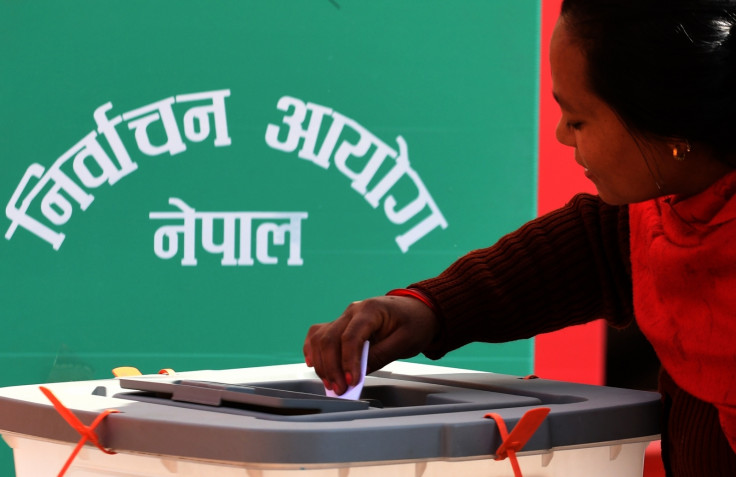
258, 399
305, 399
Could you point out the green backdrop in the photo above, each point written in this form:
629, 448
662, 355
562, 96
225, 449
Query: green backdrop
337, 148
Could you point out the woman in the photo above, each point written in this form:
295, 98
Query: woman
647, 92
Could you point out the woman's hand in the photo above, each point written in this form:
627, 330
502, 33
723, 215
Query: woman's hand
397, 327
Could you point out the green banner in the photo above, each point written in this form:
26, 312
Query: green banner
190, 185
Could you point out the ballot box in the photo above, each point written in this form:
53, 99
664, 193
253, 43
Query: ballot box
273, 421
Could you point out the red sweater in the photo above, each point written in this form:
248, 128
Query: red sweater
568, 267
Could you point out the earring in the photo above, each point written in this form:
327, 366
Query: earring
679, 151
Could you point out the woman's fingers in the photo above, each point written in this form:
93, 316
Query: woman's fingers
397, 327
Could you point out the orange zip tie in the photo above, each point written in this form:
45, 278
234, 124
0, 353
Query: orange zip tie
87, 432
523, 431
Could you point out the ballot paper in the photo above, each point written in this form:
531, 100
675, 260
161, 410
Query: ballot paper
353, 392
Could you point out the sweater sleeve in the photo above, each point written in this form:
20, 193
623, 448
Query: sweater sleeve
568, 267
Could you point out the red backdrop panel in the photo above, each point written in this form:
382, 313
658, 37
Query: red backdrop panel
576, 353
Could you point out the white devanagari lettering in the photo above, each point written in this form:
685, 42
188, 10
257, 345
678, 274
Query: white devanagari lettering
18, 215
160, 110
89, 148
361, 173
294, 123
93, 166
296, 131
197, 119
106, 127
227, 247
278, 233
245, 255
361, 179
429, 223
317, 114
400, 168
171, 233
269, 232
54, 206
322, 159
424, 199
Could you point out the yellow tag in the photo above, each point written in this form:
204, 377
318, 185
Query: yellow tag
124, 371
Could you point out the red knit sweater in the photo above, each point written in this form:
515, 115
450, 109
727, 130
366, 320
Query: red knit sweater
568, 267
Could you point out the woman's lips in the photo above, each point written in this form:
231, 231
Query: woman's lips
582, 164
586, 171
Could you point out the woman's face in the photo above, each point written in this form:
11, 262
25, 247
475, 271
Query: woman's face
623, 169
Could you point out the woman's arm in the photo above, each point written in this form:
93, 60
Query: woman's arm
568, 267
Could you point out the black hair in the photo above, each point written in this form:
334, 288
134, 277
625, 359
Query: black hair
666, 67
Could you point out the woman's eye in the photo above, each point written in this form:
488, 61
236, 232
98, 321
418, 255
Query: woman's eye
574, 125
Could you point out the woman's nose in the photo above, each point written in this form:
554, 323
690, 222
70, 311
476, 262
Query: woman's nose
564, 134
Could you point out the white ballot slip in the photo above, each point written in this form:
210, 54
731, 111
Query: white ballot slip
353, 392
